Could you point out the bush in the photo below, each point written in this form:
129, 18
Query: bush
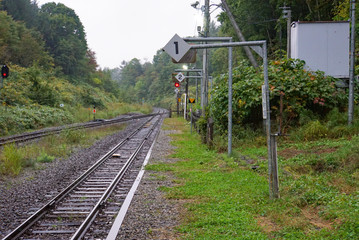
20, 119
73, 136
303, 91
313, 131
12, 160
44, 158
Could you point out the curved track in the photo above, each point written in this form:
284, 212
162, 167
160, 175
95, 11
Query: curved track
49, 131
88, 206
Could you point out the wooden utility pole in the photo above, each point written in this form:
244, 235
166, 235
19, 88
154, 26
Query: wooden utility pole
239, 34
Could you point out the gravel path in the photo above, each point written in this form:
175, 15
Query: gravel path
150, 215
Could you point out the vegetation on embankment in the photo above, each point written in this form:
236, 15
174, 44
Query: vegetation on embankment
224, 198
15, 159
16, 119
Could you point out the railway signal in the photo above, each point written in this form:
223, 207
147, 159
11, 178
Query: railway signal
177, 85
4, 71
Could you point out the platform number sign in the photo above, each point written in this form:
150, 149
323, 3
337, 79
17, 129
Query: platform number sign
180, 77
177, 48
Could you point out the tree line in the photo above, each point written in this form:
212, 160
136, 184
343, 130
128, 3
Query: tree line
53, 37
50, 43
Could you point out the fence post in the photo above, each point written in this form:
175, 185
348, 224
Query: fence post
273, 169
210, 125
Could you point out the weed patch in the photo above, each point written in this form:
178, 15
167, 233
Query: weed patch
12, 160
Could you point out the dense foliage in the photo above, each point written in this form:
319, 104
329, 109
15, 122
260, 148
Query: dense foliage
46, 48
261, 19
150, 82
50, 66
305, 93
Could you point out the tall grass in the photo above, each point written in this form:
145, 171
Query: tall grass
112, 110
12, 160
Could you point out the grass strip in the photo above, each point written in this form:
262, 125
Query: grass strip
225, 199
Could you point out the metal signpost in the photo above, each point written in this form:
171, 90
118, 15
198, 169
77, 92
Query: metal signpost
272, 165
198, 71
191, 101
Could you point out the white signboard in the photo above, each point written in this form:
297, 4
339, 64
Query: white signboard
177, 48
180, 77
323, 46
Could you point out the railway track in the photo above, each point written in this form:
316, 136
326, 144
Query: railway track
88, 206
56, 130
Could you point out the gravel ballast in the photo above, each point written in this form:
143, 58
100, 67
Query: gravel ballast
150, 216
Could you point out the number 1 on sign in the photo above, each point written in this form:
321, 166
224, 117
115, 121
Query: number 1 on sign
176, 46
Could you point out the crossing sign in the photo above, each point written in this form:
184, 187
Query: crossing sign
180, 77
177, 48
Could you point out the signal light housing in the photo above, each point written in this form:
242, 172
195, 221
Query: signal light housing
4, 71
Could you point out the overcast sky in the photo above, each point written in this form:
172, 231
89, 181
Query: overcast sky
120, 30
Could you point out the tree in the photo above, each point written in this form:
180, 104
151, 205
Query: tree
22, 10
130, 71
20, 45
65, 38
261, 19
239, 34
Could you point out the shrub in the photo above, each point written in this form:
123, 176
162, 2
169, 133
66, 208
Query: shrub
312, 131
12, 160
19, 119
73, 136
303, 91
44, 158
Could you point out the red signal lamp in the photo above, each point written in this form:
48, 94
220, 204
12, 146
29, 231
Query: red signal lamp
177, 84
4, 71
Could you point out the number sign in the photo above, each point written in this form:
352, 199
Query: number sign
180, 77
177, 48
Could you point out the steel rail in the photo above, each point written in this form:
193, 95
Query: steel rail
80, 233
21, 229
43, 133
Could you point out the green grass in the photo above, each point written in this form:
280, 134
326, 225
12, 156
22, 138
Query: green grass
13, 158
225, 199
82, 114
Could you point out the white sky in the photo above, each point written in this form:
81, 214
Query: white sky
120, 30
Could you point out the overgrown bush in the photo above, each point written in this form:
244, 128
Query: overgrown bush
73, 136
11, 160
303, 91
19, 119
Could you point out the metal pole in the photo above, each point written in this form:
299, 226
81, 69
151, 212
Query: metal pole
185, 116
351, 69
289, 19
272, 165
191, 117
177, 95
196, 89
274, 183
230, 80
204, 83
